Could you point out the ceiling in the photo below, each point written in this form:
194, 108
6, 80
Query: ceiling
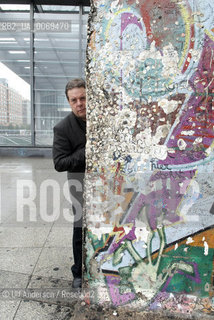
49, 2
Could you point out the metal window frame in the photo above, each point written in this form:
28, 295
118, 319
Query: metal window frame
32, 100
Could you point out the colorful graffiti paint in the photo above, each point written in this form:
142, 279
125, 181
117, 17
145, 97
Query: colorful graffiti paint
150, 137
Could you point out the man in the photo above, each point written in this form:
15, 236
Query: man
69, 155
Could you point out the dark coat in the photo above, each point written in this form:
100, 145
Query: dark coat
69, 144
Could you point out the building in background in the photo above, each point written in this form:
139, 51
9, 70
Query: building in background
14, 109
3, 102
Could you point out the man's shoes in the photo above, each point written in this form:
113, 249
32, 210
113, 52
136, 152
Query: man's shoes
77, 283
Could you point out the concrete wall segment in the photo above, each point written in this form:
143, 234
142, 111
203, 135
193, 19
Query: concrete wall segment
150, 130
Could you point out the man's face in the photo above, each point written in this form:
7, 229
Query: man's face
77, 101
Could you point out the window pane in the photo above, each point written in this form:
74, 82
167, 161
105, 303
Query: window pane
12, 7
46, 8
58, 53
86, 10
15, 116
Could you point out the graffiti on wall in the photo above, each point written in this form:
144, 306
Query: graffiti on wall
150, 138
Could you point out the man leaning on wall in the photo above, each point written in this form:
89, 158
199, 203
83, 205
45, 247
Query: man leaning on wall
69, 155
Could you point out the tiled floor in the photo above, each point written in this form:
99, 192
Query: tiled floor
35, 240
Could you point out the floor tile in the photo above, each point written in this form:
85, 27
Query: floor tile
8, 309
23, 236
21, 260
55, 262
13, 280
53, 290
32, 310
48, 282
11, 222
60, 236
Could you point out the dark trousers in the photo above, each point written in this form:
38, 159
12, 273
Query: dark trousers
77, 252
75, 181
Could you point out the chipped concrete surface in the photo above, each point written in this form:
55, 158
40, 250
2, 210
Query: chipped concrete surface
150, 135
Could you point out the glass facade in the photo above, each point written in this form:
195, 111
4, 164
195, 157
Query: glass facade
41, 48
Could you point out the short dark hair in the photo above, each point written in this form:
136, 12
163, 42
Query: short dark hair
74, 83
